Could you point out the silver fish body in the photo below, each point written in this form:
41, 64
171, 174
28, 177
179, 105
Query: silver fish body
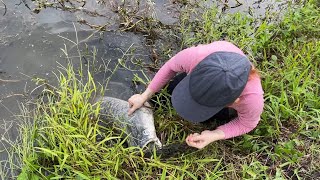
139, 126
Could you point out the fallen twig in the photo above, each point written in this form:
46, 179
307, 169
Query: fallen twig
24, 2
5, 7
12, 95
5, 80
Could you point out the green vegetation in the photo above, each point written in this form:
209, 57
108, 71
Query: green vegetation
285, 144
60, 143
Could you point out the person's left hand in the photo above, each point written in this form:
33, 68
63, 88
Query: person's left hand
206, 137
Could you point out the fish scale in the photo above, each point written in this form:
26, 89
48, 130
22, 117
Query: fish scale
139, 126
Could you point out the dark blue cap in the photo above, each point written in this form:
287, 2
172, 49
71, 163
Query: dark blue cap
217, 81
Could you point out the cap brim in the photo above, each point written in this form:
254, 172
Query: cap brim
186, 107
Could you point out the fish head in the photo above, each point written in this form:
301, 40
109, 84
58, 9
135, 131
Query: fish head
142, 129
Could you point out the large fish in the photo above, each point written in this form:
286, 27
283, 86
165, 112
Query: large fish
139, 126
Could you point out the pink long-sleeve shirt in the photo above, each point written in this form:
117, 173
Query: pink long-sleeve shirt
251, 103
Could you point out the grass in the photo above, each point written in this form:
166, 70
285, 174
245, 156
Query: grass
60, 143
59, 137
287, 53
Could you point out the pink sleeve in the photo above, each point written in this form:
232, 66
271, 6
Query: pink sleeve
181, 62
249, 113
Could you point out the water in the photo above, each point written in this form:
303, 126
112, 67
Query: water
30, 47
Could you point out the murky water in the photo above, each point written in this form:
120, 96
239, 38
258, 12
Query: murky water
30, 47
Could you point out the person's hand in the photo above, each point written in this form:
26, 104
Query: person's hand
135, 102
206, 137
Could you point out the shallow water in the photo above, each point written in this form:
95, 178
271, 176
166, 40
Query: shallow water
30, 47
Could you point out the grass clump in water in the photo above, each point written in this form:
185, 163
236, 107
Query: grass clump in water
60, 141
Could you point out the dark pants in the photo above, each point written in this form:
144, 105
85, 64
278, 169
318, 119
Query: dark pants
225, 115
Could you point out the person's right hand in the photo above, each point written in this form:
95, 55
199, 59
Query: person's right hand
135, 102
206, 137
